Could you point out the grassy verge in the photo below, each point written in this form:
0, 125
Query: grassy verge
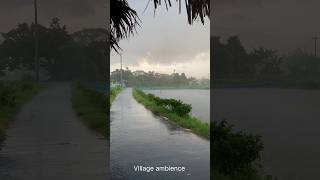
186, 121
92, 108
12, 96
114, 92
172, 87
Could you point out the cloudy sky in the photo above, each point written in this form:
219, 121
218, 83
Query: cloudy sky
166, 43
279, 24
77, 14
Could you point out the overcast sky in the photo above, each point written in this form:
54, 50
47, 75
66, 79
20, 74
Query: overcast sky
166, 43
279, 24
76, 14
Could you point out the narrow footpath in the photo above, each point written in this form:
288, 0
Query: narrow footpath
47, 141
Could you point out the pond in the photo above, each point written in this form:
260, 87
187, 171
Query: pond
287, 120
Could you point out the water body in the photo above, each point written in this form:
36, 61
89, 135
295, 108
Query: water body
198, 98
288, 121
140, 138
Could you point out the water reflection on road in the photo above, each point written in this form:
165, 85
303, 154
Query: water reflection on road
140, 138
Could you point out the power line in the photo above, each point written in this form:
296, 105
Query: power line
315, 45
36, 49
121, 80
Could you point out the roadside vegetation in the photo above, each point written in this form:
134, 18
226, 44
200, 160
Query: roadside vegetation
175, 110
114, 92
92, 108
236, 155
12, 96
64, 55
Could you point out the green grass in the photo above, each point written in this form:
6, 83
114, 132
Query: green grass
173, 87
192, 123
12, 96
91, 106
114, 92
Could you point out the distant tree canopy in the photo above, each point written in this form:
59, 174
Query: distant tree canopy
232, 61
62, 55
153, 79
124, 19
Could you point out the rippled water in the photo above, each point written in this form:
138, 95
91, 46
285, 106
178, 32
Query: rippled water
198, 98
140, 138
287, 120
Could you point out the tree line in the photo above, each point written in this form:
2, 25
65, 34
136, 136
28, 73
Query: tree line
63, 55
153, 79
232, 61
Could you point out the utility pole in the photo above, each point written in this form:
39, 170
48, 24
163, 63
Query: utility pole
315, 45
121, 81
36, 49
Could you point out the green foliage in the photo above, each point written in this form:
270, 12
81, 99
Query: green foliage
232, 61
92, 107
302, 65
234, 66
12, 96
63, 56
7, 96
176, 106
235, 155
114, 92
153, 79
178, 115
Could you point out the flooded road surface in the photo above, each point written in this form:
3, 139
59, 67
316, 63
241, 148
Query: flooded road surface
198, 98
47, 141
140, 138
288, 120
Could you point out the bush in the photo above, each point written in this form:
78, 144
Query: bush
7, 95
235, 154
179, 107
176, 106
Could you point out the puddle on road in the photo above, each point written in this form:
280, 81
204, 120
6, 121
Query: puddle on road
140, 138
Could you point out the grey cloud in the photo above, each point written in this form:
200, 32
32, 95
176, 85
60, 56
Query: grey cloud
283, 25
70, 7
76, 14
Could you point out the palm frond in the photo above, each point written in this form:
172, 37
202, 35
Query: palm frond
196, 9
123, 22
124, 19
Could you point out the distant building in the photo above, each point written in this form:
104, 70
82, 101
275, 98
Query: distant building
138, 73
23, 74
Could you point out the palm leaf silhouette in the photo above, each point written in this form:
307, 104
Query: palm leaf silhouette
124, 19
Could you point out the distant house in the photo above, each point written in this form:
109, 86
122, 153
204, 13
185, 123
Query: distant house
138, 73
86, 36
23, 74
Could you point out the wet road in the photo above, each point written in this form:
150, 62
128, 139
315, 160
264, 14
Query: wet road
140, 138
288, 120
48, 142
